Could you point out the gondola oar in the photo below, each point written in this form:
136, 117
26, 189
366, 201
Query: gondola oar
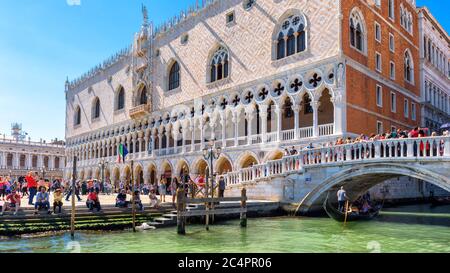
346, 212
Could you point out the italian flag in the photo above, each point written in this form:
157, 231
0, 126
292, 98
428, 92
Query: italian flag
122, 153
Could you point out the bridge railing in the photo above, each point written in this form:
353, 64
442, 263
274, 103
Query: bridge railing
390, 149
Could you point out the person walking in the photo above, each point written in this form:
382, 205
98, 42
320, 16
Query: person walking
173, 189
342, 197
77, 192
222, 186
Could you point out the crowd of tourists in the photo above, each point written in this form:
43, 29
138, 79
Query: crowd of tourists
394, 134
37, 191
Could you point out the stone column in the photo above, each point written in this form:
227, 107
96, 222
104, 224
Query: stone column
296, 109
202, 133
249, 127
236, 127
160, 137
279, 115
223, 122
315, 106
263, 115
339, 113
184, 136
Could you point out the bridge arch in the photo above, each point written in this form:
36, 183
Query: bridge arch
360, 178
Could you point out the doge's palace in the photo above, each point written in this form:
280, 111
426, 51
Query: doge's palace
256, 77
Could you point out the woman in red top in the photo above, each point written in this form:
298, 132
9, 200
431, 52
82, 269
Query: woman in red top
32, 187
93, 201
14, 202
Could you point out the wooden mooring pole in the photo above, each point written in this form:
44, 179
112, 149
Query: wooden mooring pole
181, 209
243, 206
133, 205
72, 215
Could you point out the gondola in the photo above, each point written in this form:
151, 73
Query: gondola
340, 216
435, 202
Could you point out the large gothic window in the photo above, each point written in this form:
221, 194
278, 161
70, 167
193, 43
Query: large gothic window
77, 117
291, 38
357, 31
408, 67
143, 96
120, 99
96, 109
174, 76
219, 65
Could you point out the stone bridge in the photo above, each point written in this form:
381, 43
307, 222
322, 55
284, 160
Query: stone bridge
307, 177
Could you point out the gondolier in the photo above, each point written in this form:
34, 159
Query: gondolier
342, 197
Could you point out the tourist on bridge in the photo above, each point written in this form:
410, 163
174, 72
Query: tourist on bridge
32, 186
293, 151
121, 200
342, 197
57, 200
93, 201
42, 201
12, 201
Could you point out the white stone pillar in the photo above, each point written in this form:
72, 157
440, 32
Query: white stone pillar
249, 127
192, 136
184, 136
223, 122
339, 113
315, 106
296, 109
202, 134
279, 115
236, 128
263, 116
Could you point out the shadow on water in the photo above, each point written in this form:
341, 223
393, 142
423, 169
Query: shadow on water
417, 214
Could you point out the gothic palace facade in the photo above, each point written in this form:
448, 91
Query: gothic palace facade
255, 75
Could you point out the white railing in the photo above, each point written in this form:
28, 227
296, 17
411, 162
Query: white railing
326, 129
421, 149
305, 132
28, 142
272, 137
256, 139
288, 135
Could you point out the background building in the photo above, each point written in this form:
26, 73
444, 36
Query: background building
18, 156
434, 71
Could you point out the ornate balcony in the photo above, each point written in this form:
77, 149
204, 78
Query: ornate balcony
140, 111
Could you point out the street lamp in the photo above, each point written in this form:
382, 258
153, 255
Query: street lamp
43, 172
210, 152
103, 164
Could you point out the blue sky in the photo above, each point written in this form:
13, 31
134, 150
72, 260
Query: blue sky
43, 41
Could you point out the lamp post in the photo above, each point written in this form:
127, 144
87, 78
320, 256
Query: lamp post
210, 152
43, 172
103, 164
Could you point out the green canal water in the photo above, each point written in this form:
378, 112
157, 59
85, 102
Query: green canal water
404, 229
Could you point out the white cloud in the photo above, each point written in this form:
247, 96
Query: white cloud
73, 2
